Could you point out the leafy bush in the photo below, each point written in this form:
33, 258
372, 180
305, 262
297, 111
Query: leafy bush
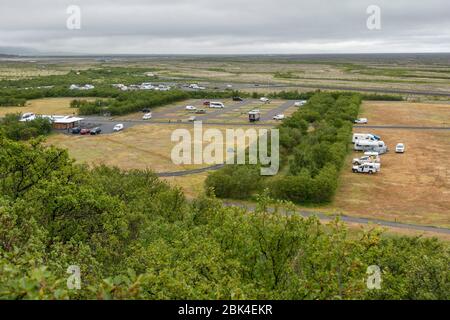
17, 130
135, 237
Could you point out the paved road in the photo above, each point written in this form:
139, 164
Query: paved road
357, 220
107, 124
281, 109
189, 172
401, 127
343, 88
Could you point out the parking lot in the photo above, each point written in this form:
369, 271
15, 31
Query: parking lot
234, 111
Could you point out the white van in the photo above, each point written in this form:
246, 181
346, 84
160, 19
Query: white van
219, 105
369, 168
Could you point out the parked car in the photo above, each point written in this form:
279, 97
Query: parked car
190, 108
206, 103
369, 168
192, 119
237, 99
200, 111
146, 110
218, 105
95, 131
85, 131
278, 117
147, 116
300, 103
361, 121
76, 130
400, 148
118, 127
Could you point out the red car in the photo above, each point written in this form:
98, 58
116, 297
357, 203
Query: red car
85, 131
206, 103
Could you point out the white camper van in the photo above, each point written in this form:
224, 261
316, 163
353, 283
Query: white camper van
371, 146
365, 136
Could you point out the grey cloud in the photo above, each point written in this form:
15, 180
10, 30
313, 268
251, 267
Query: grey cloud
232, 26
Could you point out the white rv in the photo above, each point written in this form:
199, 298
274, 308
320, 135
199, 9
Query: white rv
371, 146
365, 136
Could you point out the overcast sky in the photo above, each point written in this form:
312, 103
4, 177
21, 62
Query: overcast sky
227, 26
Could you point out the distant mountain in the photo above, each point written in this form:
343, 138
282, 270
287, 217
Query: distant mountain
17, 51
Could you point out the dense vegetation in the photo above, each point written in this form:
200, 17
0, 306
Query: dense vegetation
129, 102
313, 146
14, 129
134, 237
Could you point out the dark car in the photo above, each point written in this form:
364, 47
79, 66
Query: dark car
206, 103
146, 110
237, 99
85, 131
95, 131
76, 130
200, 111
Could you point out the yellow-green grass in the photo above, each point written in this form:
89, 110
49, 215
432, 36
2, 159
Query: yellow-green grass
47, 106
192, 185
138, 147
406, 113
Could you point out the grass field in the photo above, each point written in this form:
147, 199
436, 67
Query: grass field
138, 147
48, 106
406, 114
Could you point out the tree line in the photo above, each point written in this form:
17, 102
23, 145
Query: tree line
314, 142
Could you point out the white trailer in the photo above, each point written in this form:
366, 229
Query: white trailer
371, 146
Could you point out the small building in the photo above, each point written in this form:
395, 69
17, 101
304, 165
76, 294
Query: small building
65, 122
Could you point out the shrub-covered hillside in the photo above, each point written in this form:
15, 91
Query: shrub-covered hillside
134, 237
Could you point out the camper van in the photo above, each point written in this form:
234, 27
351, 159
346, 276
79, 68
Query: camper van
254, 115
371, 146
219, 105
365, 136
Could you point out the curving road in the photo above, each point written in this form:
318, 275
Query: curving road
349, 219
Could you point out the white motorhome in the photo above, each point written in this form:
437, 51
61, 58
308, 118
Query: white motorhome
365, 136
371, 146
219, 105
254, 115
